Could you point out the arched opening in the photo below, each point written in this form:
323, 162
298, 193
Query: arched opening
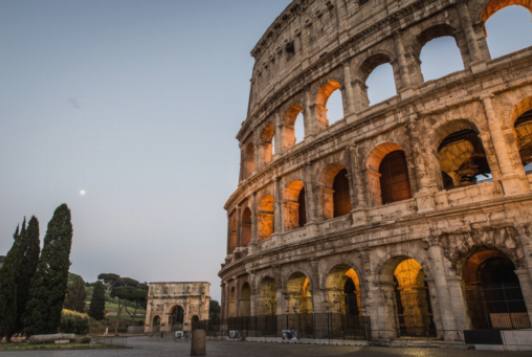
509, 29
341, 197
245, 300
329, 104
493, 292
299, 292
394, 181
246, 227
378, 75
412, 300
265, 217
432, 43
461, 156
267, 297
176, 318
294, 127
523, 128
294, 205
433, 64
249, 160
156, 324
343, 290
381, 84
233, 232
232, 303
267, 143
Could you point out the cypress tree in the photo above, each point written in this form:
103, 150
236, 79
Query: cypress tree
48, 286
97, 307
8, 286
27, 267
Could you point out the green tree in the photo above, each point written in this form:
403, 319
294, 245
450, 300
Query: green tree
75, 294
48, 286
26, 269
8, 287
214, 313
97, 306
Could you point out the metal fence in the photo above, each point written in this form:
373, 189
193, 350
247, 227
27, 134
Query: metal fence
315, 325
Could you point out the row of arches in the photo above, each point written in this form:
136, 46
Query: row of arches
492, 294
378, 78
461, 161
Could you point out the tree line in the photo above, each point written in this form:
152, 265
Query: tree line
33, 282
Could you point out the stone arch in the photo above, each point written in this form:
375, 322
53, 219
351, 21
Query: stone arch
233, 232
368, 67
343, 290
245, 227
232, 302
244, 304
522, 122
388, 176
406, 281
295, 215
265, 217
267, 143
267, 296
460, 154
335, 188
438, 31
156, 324
492, 6
249, 159
493, 292
322, 98
176, 318
299, 294
292, 117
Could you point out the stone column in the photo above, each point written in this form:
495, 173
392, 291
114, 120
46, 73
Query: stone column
347, 92
513, 178
359, 188
309, 115
458, 304
449, 332
360, 93
254, 236
278, 210
278, 135
238, 227
310, 195
475, 40
410, 71
257, 150
525, 280
382, 311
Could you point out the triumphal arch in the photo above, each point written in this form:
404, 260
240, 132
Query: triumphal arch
411, 216
176, 306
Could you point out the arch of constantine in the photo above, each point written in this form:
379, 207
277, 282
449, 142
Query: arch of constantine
413, 214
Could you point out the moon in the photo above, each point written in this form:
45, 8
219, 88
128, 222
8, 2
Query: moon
82, 192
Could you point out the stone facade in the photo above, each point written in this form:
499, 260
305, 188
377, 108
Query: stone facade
175, 305
419, 194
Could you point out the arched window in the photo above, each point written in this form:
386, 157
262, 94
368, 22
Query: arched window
435, 65
156, 324
246, 227
509, 29
267, 297
493, 292
523, 128
267, 143
381, 84
394, 181
249, 160
461, 156
432, 44
294, 205
265, 217
176, 318
329, 104
343, 291
341, 197
299, 291
244, 307
233, 232
294, 127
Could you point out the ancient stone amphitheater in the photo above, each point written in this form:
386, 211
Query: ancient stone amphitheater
409, 217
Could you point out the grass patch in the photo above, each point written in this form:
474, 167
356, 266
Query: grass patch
54, 347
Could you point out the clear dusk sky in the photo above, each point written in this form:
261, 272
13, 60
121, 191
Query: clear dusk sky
137, 102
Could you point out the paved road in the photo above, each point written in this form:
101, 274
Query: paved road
152, 347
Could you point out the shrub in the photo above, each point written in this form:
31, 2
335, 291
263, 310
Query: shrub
74, 322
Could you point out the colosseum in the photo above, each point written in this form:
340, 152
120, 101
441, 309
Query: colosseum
407, 217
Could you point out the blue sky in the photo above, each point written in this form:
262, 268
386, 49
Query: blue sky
138, 103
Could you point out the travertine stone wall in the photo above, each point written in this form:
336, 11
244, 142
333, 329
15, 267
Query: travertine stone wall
315, 47
163, 298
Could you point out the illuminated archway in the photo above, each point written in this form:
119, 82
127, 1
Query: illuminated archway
267, 297
523, 129
299, 290
495, 5
335, 188
265, 217
267, 143
378, 75
329, 101
343, 290
246, 227
293, 130
493, 292
233, 232
294, 205
249, 160
509, 28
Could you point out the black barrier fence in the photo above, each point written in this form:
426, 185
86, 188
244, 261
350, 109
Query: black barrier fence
316, 325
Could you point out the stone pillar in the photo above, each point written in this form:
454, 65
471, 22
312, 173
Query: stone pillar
525, 280
448, 323
513, 178
458, 304
382, 311
410, 71
310, 195
257, 150
347, 92
309, 115
360, 93
278, 209
238, 227
278, 135
475, 40
254, 235
360, 189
